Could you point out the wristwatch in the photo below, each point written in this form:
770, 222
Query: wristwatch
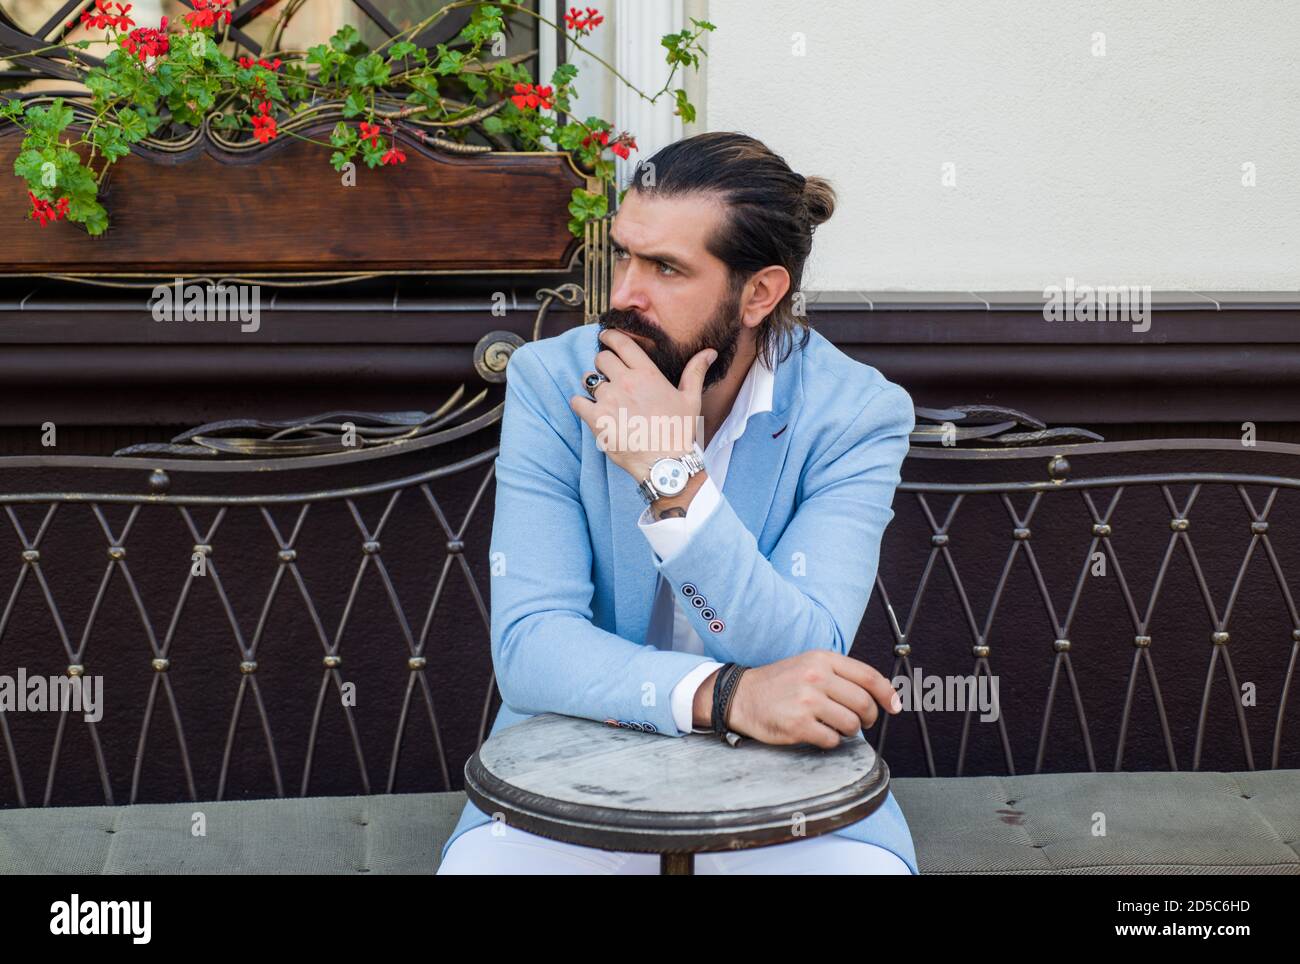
668, 477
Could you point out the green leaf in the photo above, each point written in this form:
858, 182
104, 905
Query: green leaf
345, 39
563, 75
355, 104
684, 107
569, 137
50, 122
373, 156
371, 71
110, 142
134, 127
449, 61
343, 135
484, 24
27, 165
89, 212
338, 160
403, 48
585, 206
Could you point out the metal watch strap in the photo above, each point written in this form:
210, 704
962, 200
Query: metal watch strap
694, 459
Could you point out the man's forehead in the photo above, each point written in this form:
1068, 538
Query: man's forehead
649, 223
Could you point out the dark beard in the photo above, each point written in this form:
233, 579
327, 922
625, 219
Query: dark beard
722, 333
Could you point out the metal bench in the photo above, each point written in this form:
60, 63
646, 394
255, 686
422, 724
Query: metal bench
292, 634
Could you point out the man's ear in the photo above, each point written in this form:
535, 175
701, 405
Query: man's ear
762, 292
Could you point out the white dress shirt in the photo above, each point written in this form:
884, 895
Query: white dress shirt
669, 626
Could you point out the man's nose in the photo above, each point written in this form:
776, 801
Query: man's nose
629, 290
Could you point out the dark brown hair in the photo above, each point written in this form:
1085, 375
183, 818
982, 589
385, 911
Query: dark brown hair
771, 214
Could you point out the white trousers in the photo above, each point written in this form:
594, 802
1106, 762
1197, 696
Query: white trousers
515, 851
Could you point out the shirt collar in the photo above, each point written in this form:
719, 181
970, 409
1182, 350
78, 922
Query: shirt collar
755, 396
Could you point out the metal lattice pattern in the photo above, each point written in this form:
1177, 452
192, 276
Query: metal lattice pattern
160, 630
249, 20
1065, 608
1009, 522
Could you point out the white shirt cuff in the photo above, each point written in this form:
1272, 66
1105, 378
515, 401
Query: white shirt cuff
682, 698
668, 536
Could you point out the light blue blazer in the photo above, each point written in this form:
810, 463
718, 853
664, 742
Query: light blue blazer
786, 561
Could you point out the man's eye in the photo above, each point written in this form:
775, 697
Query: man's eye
619, 254
671, 269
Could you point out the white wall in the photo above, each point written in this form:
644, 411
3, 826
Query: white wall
1120, 169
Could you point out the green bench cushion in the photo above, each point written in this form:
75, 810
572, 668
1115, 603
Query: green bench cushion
1155, 823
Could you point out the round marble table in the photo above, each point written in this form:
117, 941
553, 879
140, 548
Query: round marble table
598, 785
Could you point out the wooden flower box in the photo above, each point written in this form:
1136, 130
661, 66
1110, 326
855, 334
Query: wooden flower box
283, 210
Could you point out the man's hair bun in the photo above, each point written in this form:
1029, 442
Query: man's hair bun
818, 199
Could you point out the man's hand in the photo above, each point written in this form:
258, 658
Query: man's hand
812, 697
665, 414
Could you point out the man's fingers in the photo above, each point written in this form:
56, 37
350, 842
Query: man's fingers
838, 717
868, 678
609, 364
584, 407
631, 354
693, 375
854, 698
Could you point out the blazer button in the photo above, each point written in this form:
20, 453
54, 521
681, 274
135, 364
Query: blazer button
717, 626
688, 589
699, 602
706, 613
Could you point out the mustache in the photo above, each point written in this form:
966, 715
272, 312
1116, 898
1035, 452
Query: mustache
631, 322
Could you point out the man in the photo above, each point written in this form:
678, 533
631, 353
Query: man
624, 586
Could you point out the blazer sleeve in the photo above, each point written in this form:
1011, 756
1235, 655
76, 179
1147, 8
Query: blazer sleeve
812, 590
547, 654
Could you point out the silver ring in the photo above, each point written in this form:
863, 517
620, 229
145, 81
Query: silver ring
591, 380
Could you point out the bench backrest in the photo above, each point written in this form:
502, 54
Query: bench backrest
317, 625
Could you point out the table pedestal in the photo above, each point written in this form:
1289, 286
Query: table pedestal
676, 864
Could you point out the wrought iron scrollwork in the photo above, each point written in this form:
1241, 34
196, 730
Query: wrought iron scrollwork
990, 424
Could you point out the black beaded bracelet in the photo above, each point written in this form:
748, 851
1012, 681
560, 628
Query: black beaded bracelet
715, 720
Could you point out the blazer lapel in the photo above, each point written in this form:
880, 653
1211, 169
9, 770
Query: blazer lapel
757, 458
635, 576
759, 454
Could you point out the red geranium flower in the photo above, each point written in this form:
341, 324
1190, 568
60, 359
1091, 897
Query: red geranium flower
104, 17
574, 20
370, 132
394, 156
147, 42
623, 145
531, 95
264, 128
45, 212
208, 13
248, 63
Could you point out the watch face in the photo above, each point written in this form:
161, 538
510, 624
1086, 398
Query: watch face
668, 476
